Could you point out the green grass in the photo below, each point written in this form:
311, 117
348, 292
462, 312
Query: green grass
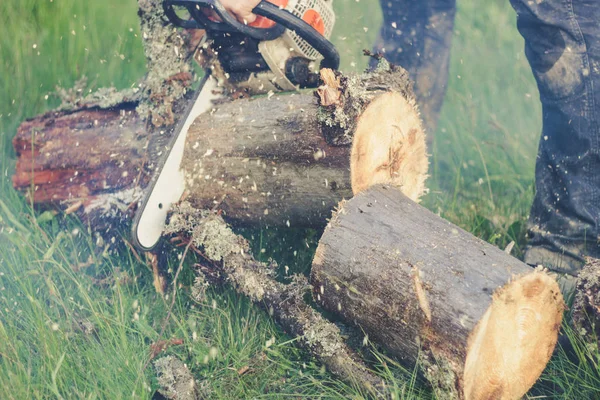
76, 322
485, 148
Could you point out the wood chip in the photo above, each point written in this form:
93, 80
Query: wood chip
329, 93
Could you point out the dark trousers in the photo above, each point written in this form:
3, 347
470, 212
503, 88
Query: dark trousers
562, 44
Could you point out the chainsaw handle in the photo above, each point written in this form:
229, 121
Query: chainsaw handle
283, 18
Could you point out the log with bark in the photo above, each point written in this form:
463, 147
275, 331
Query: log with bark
482, 324
267, 160
89, 155
89, 161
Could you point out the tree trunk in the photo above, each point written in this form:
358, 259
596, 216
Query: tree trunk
90, 161
263, 160
277, 169
416, 283
266, 161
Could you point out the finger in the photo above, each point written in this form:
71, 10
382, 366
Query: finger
246, 18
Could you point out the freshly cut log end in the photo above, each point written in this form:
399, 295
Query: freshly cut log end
514, 340
389, 147
343, 98
421, 287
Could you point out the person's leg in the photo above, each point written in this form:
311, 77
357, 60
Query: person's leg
417, 35
562, 44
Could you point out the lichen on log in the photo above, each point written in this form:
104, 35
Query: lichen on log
169, 74
175, 379
354, 93
168, 62
586, 304
72, 99
284, 302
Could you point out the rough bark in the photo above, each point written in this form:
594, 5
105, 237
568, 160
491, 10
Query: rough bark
269, 159
265, 161
231, 254
89, 161
175, 379
416, 283
586, 304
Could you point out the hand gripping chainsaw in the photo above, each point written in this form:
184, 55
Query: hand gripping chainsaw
281, 51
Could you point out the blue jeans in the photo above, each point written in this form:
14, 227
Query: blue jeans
562, 45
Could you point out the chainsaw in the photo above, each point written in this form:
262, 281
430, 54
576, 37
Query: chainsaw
283, 50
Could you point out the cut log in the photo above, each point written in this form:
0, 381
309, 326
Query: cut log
266, 161
263, 160
269, 159
277, 169
482, 323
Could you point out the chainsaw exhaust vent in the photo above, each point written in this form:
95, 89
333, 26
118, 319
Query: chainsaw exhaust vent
317, 13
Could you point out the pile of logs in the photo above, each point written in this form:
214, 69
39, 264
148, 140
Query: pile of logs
350, 159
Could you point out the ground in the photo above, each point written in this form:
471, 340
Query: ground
77, 322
